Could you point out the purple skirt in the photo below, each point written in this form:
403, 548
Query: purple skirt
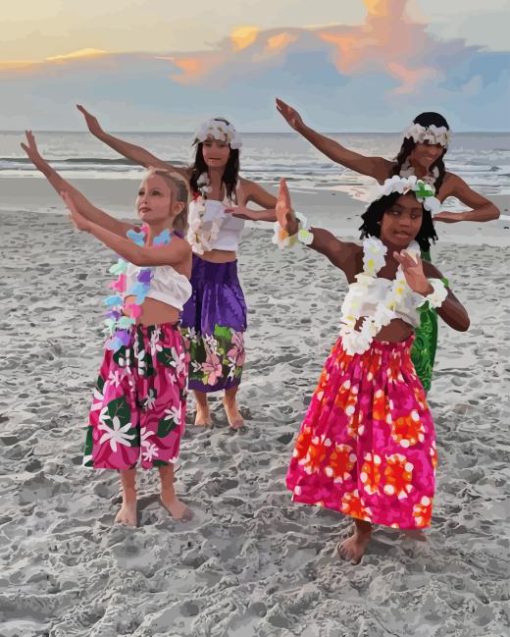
214, 322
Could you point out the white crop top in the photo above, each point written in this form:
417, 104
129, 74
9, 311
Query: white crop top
229, 230
167, 285
377, 291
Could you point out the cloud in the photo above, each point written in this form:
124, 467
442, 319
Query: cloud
74, 55
371, 76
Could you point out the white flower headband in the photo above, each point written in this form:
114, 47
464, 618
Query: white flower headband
219, 130
432, 134
425, 193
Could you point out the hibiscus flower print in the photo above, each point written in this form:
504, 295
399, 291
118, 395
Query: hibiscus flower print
211, 368
236, 353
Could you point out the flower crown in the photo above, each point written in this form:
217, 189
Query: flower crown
425, 193
432, 134
217, 129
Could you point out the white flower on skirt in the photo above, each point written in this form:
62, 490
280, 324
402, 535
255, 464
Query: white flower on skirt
141, 362
145, 434
116, 434
154, 342
97, 399
179, 362
196, 366
115, 377
174, 413
231, 370
211, 343
192, 334
150, 452
150, 401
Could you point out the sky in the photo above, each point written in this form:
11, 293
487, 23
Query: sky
347, 65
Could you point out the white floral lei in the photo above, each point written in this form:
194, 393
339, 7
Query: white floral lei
407, 170
423, 189
219, 130
432, 134
201, 240
374, 253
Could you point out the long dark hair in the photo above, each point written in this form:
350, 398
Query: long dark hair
230, 174
408, 145
373, 215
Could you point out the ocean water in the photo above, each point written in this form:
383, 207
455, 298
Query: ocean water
482, 159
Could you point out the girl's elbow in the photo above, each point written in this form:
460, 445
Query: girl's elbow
140, 259
464, 324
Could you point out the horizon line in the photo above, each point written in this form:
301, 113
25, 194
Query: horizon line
183, 132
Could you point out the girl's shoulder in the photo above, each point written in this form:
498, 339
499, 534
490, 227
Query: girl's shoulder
448, 185
431, 271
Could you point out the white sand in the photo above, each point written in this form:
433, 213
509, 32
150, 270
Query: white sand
251, 563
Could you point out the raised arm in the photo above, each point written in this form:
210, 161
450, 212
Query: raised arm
136, 153
83, 205
174, 254
341, 254
481, 208
376, 167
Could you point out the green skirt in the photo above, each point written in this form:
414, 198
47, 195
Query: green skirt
424, 348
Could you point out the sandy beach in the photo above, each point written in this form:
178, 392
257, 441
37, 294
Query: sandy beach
251, 563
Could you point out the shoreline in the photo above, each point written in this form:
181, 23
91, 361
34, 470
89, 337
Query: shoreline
330, 209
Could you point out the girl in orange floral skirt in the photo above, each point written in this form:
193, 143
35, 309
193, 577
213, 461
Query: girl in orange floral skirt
366, 447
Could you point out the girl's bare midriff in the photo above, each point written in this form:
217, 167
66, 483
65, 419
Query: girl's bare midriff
219, 256
395, 332
156, 312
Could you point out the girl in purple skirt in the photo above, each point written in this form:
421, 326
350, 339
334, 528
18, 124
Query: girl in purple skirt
214, 319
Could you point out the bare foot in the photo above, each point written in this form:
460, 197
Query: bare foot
128, 513
177, 509
203, 417
235, 420
353, 548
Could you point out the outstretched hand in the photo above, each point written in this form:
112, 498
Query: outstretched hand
80, 222
412, 267
31, 149
284, 213
242, 212
448, 217
92, 124
290, 115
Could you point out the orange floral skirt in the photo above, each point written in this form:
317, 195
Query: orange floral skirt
366, 446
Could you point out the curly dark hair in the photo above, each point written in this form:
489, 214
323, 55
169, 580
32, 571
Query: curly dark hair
374, 213
408, 145
230, 174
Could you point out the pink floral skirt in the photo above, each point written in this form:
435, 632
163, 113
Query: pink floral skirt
139, 403
366, 446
